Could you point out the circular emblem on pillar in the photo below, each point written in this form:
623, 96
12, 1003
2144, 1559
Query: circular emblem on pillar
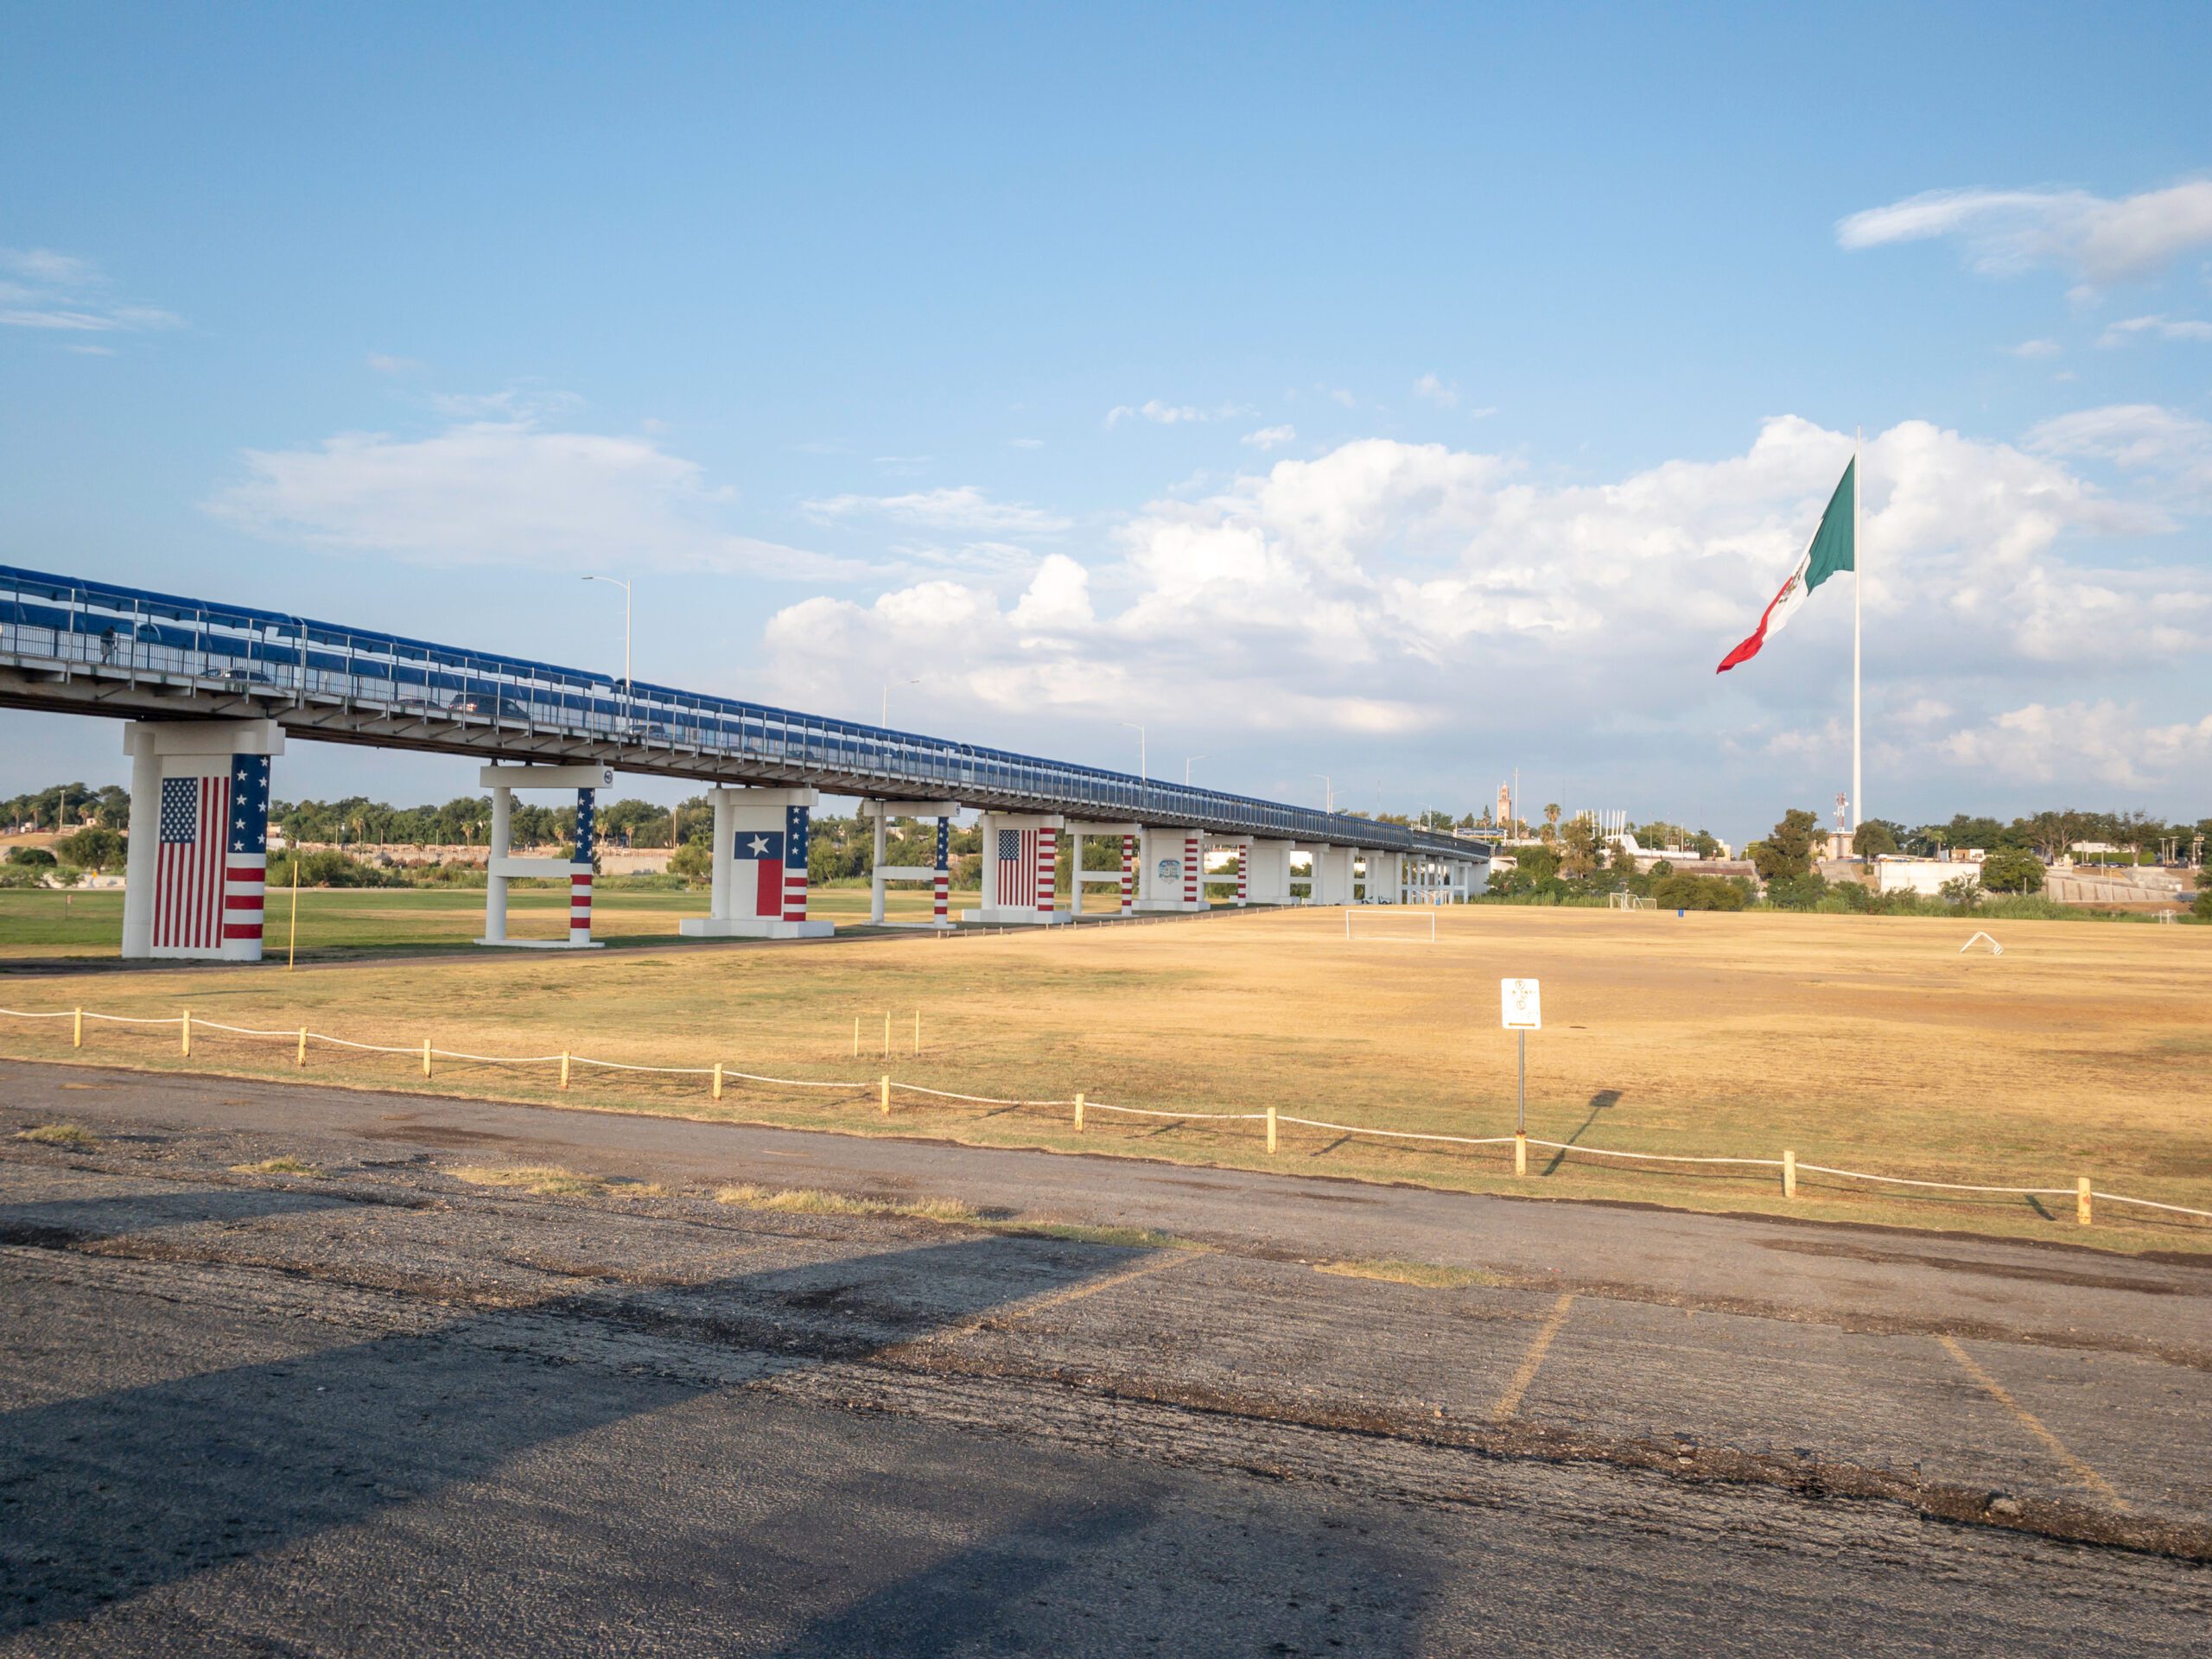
1171, 869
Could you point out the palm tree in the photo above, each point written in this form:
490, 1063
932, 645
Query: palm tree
1551, 822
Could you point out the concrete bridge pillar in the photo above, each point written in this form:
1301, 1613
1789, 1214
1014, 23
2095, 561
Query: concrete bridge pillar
759, 867
1382, 882
1267, 872
938, 873
502, 866
1234, 875
1121, 878
1332, 875
1174, 869
196, 874
1022, 860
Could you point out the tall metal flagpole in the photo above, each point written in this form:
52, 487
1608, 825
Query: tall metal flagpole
1858, 585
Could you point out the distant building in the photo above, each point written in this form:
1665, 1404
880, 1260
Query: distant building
1893, 873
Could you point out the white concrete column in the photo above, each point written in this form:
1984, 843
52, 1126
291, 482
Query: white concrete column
882, 872
988, 825
1332, 875
1267, 879
144, 856
1020, 865
724, 801
875, 868
761, 886
1174, 869
495, 881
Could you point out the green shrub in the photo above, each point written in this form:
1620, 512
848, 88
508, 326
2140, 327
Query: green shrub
1698, 892
35, 857
2012, 872
1797, 892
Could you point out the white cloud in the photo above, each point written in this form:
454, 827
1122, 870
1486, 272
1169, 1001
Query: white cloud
2098, 238
502, 492
2033, 348
1164, 414
1027, 443
2105, 740
2119, 333
1270, 437
2171, 448
963, 508
515, 403
1389, 587
1435, 391
61, 293
384, 363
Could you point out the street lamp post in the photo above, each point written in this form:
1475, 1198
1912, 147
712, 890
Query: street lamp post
1330, 789
629, 692
883, 715
1186, 767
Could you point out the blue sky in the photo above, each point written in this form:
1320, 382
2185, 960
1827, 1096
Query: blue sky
1407, 394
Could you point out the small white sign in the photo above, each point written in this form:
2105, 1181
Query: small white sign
1524, 1011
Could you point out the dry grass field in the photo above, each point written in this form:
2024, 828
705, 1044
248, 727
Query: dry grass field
1869, 1043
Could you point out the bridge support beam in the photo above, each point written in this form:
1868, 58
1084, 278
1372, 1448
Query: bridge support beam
759, 867
1267, 872
1022, 861
502, 866
1119, 878
196, 871
1237, 875
937, 872
1331, 875
1171, 868
1384, 880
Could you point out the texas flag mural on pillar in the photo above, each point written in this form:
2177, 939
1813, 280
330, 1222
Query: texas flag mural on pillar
772, 863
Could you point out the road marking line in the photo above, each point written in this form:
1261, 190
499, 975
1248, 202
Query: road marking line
1044, 1302
1510, 1401
2082, 1473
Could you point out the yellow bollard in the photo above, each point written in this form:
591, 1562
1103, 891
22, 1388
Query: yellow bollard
887, 1094
918, 1033
857, 1036
1271, 1129
564, 1068
186, 1033
1078, 1114
718, 1080
1520, 1152
1789, 1173
2082, 1200
887, 1034
301, 1059
426, 1056
77, 1030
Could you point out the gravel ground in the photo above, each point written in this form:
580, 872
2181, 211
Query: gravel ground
381, 1409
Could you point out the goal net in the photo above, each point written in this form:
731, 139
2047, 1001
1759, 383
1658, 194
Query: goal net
1629, 901
1389, 924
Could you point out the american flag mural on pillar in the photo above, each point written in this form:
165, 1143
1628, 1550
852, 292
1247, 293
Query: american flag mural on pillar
580, 880
212, 860
1243, 871
1028, 861
795, 827
1128, 871
941, 888
1193, 867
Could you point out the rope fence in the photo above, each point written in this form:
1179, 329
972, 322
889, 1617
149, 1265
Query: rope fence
884, 1087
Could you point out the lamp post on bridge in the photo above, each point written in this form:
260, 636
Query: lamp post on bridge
629, 693
1329, 789
1187, 768
883, 715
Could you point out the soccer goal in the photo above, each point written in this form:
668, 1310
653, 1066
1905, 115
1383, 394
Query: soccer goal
1628, 901
1389, 924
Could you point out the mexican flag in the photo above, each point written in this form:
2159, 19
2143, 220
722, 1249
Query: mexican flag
1832, 548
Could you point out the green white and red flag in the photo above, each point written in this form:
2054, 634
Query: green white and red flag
1834, 548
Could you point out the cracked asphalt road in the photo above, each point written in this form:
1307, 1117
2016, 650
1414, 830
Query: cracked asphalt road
383, 1411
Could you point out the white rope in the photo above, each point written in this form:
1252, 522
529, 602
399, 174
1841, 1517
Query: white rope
489, 1059
1205, 1117
366, 1048
980, 1100
20, 1014
1400, 1134
127, 1020
617, 1066
1947, 1186
240, 1031
794, 1083
2152, 1204
1662, 1157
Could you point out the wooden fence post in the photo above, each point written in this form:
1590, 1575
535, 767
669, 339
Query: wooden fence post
1789, 1173
301, 1059
1078, 1114
857, 1036
918, 1033
2082, 1200
1520, 1152
186, 1033
886, 1094
564, 1068
77, 1030
426, 1056
718, 1080
1271, 1129
887, 1034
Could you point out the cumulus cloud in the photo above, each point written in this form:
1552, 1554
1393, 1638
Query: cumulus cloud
62, 293
1393, 588
1270, 437
2163, 327
961, 508
2099, 239
2109, 741
2172, 448
501, 493
1436, 391
2034, 348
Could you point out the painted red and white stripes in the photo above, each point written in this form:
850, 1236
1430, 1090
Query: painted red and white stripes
580, 908
1128, 872
1193, 867
189, 873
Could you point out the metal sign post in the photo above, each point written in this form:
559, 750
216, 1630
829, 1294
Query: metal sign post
1520, 1012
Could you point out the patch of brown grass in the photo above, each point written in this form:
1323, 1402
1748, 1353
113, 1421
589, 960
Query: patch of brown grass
285, 1164
546, 1180
60, 1134
1430, 1275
